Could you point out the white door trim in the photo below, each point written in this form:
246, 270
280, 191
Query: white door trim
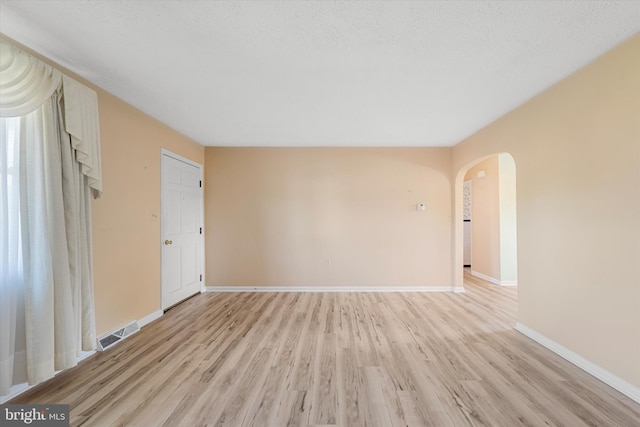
165, 152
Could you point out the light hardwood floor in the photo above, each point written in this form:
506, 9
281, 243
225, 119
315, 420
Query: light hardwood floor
348, 359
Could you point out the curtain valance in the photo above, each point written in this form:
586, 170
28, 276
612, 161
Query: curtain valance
27, 82
82, 123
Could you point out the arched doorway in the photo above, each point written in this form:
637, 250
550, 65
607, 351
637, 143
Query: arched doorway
494, 236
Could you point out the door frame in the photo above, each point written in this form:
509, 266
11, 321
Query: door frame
458, 234
164, 152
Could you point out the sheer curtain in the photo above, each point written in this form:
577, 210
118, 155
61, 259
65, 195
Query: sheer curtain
47, 177
10, 250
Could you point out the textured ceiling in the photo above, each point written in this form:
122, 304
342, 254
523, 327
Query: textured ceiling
285, 73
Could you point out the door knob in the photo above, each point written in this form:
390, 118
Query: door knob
168, 242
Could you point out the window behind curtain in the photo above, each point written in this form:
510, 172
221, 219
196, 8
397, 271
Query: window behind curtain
12, 332
9, 184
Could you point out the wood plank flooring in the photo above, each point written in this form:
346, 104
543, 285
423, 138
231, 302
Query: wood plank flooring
336, 359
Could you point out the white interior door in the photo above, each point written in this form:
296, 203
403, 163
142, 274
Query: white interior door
182, 233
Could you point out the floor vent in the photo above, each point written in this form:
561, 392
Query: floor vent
115, 337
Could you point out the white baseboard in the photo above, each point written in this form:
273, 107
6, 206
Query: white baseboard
494, 280
334, 289
485, 277
84, 355
150, 318
508, 283
602, 374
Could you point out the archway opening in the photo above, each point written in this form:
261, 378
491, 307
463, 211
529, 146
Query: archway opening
485, 220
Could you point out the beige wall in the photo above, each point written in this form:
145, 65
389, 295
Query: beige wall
126, 225
485, 218
327, 217
577, 152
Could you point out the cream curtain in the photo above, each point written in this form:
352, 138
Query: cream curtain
25, 82
53, 175
81, 122
10, 254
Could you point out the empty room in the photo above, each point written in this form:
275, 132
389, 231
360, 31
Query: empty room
319, 213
